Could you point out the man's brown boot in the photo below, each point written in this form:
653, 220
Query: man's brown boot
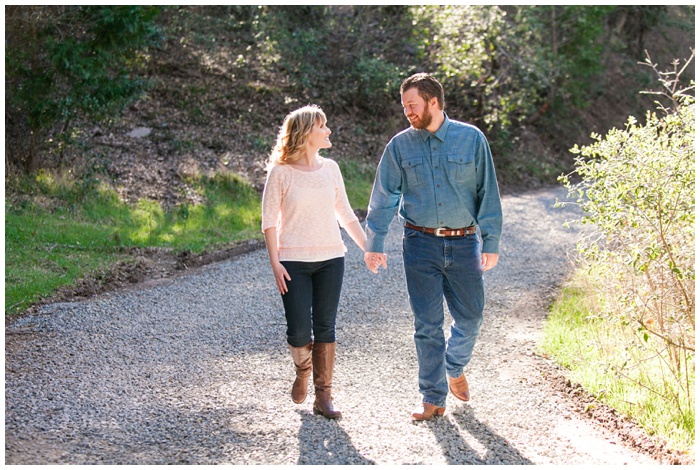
427, 412
459, 387
323, 358
302, 363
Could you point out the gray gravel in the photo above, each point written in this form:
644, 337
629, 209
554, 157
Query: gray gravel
195, 370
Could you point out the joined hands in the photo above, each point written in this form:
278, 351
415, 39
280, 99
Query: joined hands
374, 260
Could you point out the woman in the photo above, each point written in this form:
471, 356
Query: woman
304, 202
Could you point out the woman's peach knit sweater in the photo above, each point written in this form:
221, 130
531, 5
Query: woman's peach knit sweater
307, 208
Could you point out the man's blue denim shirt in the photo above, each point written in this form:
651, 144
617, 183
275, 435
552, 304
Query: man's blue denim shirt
445, 179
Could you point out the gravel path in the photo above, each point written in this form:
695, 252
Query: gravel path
195, 370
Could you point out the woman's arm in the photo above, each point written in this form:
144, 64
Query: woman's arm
355, 231
280, 273
344, 213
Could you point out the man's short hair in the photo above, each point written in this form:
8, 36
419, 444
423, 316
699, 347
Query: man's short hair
427, 85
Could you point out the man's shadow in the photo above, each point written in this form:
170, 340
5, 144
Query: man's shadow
457, 451
323, 442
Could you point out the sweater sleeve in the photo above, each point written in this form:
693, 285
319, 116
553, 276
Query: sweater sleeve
272, 198
343, 209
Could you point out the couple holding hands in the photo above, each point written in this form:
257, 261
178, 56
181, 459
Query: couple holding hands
439, 175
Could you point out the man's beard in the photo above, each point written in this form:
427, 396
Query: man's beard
423, 121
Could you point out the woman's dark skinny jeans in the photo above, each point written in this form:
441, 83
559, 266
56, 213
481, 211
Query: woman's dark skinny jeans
311, 302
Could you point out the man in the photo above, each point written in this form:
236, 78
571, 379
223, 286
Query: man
439, 174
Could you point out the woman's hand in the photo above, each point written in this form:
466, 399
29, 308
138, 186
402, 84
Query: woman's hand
374, 260
278, 270
281, 277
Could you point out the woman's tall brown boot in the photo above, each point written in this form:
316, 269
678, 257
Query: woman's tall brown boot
324, 360
303, 365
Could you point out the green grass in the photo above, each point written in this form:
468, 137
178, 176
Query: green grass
358, 179
58, 230
61, 230
598, 356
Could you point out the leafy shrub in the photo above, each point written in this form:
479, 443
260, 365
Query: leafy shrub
638, 189
68, 61
504, 64
337, 55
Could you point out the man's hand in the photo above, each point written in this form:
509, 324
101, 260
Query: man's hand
489, 260
374, 260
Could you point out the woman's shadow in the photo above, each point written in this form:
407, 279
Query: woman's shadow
323, 442
496, 450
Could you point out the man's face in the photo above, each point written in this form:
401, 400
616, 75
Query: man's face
416, 109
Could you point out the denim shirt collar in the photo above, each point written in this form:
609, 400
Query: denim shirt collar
440, 133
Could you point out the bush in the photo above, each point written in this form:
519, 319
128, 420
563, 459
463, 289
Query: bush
638, 189
63, 62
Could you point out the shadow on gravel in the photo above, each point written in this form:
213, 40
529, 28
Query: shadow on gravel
491, 449
323, 442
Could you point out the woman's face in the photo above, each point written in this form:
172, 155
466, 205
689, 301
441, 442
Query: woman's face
320, 136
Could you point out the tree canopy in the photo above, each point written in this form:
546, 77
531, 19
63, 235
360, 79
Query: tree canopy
503, 68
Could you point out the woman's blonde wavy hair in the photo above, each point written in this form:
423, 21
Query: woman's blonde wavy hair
294, 134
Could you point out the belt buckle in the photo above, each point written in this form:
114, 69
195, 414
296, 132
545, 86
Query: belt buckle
440, 232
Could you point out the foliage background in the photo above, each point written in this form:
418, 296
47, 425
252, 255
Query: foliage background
212, 83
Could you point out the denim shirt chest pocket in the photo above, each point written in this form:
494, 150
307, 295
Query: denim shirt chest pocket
414, 171
461, 168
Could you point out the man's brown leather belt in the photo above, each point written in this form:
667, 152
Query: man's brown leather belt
444, 231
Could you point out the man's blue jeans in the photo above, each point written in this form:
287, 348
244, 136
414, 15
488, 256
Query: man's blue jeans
311, 303
437, 268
